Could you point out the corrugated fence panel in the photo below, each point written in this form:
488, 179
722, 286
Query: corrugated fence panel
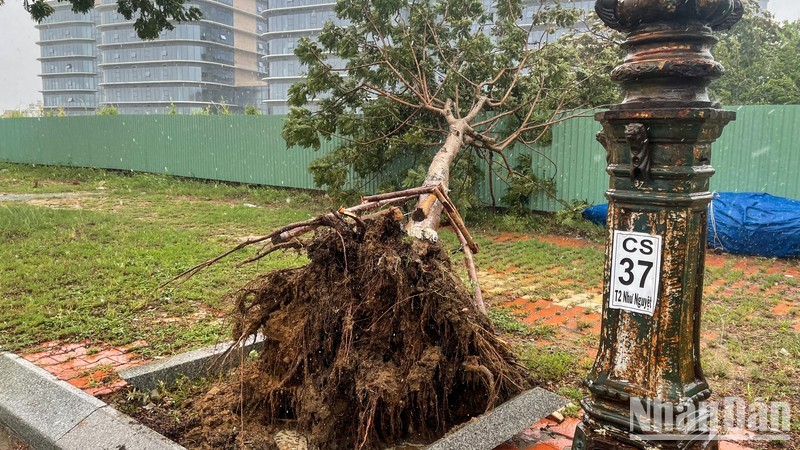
245, 149
760, 151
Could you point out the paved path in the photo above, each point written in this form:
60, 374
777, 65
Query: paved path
25, 197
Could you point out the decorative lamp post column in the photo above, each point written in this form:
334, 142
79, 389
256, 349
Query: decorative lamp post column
647, 386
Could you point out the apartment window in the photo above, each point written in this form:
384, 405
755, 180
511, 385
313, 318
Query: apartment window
289, 22
164, 52
133, 55
52, 68
260, 28
147, 73
68, 67
70, 100
260, 47
66, 32
116, 55
223, 37
116, 37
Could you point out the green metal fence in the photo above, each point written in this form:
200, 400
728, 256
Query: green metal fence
758, 152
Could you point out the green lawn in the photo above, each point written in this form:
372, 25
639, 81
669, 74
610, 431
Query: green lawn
88, 266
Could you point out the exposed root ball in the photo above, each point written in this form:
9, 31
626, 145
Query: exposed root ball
372, 345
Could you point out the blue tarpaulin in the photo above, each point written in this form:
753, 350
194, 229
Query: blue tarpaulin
754, 224
744, 223
596, 214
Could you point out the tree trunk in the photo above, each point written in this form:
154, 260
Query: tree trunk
425, 219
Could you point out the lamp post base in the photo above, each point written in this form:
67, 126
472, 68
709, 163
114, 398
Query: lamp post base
589, 435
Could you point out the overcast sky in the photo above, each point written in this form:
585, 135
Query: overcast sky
20, 85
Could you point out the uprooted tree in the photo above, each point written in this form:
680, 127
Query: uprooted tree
415, 93
377, 339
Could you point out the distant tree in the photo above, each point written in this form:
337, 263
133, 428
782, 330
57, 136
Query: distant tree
762, 61
152, 16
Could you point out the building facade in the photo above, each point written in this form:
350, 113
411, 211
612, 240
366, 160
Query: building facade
69, 60
199, 65
287, 21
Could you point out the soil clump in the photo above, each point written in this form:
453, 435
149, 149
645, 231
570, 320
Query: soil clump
375, 341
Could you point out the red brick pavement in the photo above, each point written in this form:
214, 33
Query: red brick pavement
88, 366
549, 435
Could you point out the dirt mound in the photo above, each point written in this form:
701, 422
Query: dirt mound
375, 341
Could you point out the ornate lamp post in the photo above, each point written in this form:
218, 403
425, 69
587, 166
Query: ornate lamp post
647, 386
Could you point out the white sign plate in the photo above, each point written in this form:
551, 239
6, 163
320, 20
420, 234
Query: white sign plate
635, 271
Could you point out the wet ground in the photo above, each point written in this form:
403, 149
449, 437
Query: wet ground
10, 442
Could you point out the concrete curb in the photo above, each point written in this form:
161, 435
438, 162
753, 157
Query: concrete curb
502, 423
193, 365
48, 413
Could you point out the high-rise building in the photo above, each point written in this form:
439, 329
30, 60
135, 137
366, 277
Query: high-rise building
286, 22
69, 60
96, 59
289, 20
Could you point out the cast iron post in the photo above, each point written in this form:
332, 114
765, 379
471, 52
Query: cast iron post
647, 380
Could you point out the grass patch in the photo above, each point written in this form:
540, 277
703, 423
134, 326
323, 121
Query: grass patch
92, 271
550, 364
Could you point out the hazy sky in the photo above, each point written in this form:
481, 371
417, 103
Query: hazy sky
20, 85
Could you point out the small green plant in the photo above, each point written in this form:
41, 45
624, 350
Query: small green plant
61, 112
107, 110
223, 109
202, 112
571, 216
507, 321
523, 184
171, 110
251, 110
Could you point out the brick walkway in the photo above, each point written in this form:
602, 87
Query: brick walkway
89, 366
